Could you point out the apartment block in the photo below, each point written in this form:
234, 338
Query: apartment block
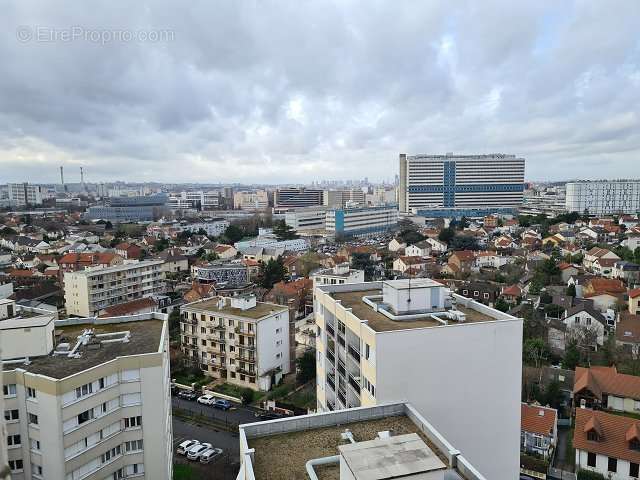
360, 222
89, 291
380, 442
456, 185
129, 209
92, 403
239, 340
198, 200
344, 198
24, 194
214, 228
603, 197
458, 362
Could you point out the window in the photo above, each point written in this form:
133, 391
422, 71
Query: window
31, 392
36, 469
9, 390
278, 330
133, 422
367, 352
465, 292
485, 295
15, 465
133, 446
537, 441
85, 416
118, 474
633, 470
13, 440
33, 418
35, 445
11, 415
612, 465
110, 454
84, 390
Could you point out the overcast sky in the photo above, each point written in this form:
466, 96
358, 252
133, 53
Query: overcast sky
294, 91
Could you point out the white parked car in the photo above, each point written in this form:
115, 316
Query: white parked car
206, 399
186, 445
194, 452
210, 454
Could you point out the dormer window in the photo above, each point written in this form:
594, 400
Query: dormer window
634, 444
593, 436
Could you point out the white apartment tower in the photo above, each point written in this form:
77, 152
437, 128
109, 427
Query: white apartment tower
87, 292
24, 194
95, 406
458, 362
239, 340
460, 185
603, 197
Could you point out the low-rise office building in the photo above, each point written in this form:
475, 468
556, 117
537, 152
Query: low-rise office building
360, 222
88, 291
379, 442
305, 219
91, 401
373, 337
239, 340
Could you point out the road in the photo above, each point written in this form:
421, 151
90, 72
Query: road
224, 467
232, 417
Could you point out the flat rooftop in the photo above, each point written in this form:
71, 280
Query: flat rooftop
261, 309
283, 456
380, 323
145, 337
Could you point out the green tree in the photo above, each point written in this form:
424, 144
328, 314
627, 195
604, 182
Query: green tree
271, 273
306, 367
446, 235
571, 356
410, 236
636, 255
552, 394
174, 324
283, 231
7, 232
233, 233
571, 290
247, 395
502, 305
362, 261
535, 352
464, 242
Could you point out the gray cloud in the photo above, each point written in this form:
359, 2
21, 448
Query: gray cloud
284, 91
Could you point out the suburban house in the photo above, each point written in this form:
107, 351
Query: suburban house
483, 292
603, 267
604, 388
605, 292
174, 260
511, 293
597, 253
225, 251
585, 321
627, 271
607, 444
437, 246
628, 333
462, 261
538, 429
395, 245
634, 301
567, 271
403, 264
490, 259
128, 251
420, 249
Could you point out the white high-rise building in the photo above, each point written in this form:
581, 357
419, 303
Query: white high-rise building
460, 185
90, 401
305, 219
458, 362
603, 197
199, 200
24, 194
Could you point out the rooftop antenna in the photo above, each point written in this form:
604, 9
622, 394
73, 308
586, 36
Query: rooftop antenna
64, 187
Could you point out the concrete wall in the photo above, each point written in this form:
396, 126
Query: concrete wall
466, 378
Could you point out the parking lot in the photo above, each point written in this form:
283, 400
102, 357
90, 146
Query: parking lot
224, 467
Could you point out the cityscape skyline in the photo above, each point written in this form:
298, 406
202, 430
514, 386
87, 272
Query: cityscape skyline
367, 85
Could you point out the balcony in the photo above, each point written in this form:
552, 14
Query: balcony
331, 382
246, 372
331, 357
246, 332
355, 354
331, 331
354, 384
245, 358
341, 341
219, 327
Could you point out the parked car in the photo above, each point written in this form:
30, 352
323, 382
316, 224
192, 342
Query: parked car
266, 415
186, 445
210, 454
206, 399
221, 404
194, 452
187, 394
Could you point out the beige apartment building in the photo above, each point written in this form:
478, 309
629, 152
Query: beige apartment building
457, 361
95, 406
251, 200
239, 340
89, 291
